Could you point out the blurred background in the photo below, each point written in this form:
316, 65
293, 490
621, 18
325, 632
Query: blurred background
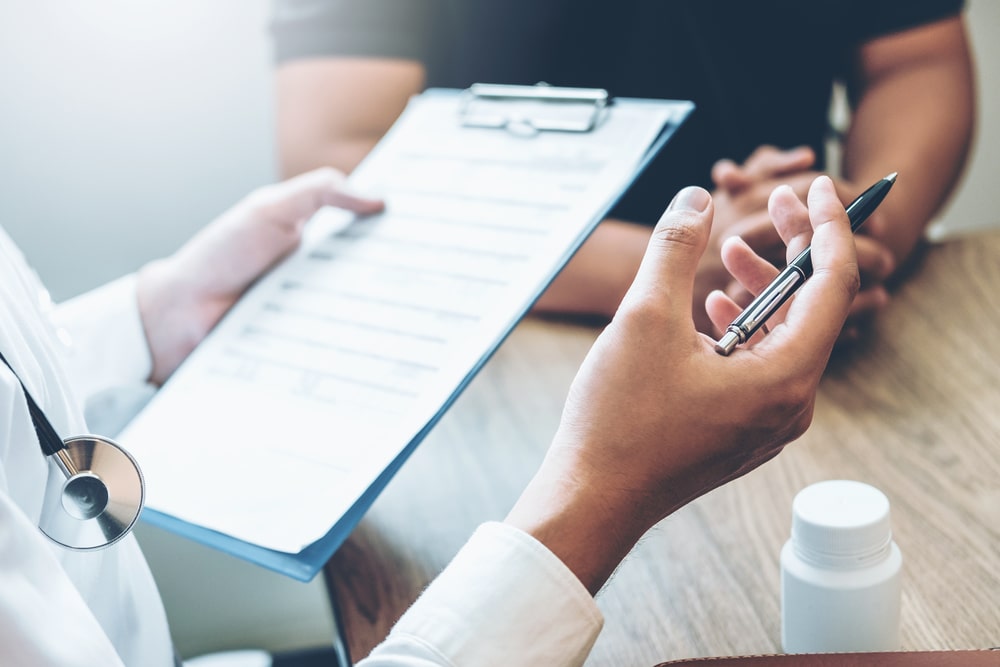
125, 126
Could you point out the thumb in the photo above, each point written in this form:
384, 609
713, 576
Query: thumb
299, 197
667, 271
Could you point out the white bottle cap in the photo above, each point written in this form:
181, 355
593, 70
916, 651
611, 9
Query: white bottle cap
840, 523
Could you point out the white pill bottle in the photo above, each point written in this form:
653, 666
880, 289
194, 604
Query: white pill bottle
840, 572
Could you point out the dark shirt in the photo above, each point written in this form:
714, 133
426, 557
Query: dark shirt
759, 72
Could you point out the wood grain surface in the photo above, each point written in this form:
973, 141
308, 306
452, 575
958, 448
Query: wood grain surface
914, 409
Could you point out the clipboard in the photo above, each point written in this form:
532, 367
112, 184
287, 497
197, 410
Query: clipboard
490, 106
576, 114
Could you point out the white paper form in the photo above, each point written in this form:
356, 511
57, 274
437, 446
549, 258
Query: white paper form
332, 364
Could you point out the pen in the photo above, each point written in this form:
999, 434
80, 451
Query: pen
792, 276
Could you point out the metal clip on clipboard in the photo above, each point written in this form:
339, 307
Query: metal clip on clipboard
528, 110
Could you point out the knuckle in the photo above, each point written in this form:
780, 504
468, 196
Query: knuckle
644, 313
852, 281
849, 280
679, 229
793, 400
268, 202
801, 423
846, 279
801, 391
260, 198
330, 175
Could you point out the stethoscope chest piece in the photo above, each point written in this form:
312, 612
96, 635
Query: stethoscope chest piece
101, 496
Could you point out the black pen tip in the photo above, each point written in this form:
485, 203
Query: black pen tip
891, 177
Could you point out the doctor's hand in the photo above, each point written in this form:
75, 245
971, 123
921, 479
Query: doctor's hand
655, 417
183, 296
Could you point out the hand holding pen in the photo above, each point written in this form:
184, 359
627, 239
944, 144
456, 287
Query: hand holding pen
653, 404
773, 295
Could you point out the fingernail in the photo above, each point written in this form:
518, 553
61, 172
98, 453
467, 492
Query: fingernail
691, 198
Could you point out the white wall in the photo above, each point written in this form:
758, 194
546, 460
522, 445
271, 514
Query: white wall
126, 125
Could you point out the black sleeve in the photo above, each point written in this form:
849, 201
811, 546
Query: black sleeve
877, 18
372, 28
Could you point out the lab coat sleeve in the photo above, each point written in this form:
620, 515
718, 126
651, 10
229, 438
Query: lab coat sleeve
504, 600
105, 340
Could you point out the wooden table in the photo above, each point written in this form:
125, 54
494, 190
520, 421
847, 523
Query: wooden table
913, 410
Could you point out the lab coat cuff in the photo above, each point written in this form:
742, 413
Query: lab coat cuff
107, 344
505, 600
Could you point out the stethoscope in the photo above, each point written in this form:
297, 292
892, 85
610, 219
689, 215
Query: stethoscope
103, 491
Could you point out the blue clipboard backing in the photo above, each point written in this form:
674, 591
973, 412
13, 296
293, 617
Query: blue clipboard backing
306, 564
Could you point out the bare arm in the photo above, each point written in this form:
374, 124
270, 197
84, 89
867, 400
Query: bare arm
332, 111
914, 113
597, 277
914, 102
600, 273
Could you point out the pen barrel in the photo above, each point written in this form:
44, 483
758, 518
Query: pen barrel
797, 272
772, 298
866, 203
800, 268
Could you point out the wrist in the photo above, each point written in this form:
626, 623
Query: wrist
589, 526
166, 303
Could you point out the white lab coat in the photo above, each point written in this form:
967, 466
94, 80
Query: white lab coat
504, 600
60, 607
